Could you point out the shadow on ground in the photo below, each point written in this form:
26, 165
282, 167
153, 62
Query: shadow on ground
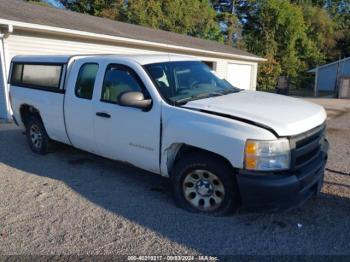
319, 227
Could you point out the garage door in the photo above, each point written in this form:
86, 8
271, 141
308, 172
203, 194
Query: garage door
239, 75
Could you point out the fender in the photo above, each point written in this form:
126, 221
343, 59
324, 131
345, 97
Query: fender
197, 129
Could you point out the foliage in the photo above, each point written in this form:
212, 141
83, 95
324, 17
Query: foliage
231, 28
340, 12
105, 8
276, 30
293, 35
194, 18
320, 30
191, 17
269, 72
38, 2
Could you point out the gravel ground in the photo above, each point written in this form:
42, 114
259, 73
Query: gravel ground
71, 202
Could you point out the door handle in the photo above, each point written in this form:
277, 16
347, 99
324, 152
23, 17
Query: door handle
102, 114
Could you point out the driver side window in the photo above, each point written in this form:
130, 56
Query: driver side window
118, 80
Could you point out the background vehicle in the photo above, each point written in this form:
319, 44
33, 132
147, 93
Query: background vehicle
171, 115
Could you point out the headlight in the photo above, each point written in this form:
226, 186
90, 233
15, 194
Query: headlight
267, 155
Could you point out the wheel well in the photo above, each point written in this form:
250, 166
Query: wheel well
180, 150
26, 111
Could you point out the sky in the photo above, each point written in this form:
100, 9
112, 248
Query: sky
54, 3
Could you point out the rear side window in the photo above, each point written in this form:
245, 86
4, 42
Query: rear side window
84, 87
42, 76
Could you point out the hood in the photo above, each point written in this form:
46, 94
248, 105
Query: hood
287, 116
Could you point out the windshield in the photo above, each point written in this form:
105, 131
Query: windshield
181, 82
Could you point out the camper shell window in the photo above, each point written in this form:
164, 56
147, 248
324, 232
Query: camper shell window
38, 76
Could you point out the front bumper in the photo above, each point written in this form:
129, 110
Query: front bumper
280, 191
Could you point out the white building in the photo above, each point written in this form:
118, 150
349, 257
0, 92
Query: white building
28, 29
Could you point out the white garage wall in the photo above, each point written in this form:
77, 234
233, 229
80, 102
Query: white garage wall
239, 75
221, 68
28, 45
219, 65
242, 74
39, 44
235, 76
3, 111
4, 108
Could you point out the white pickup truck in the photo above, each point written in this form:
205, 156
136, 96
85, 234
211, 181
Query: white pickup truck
222, 147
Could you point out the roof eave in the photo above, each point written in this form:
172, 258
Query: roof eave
89, 35
329, 64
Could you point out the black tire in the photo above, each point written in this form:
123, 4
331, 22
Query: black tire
187, 167
41, 144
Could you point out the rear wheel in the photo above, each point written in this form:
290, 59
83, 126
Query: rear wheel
37, 137
206, 184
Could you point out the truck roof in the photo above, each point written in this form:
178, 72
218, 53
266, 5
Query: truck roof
139, 58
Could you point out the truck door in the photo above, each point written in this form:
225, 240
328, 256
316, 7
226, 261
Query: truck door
78, 106
126, 133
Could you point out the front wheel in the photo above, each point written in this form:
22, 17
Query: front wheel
205, 184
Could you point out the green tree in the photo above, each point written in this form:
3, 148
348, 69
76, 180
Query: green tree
340, 12
293, 35
38, 2
191, 17
321, 35
231, 28
113, 9
275, 29
319, 3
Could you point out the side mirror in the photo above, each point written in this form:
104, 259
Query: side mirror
135, 99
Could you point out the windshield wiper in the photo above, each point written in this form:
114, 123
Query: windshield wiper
231, 91
206, 95
196, 97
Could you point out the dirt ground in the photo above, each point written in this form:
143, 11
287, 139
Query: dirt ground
71, 202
